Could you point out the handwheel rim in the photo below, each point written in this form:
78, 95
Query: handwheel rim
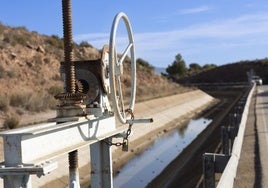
118, 105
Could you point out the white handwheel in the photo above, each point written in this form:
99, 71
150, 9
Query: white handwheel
116, 70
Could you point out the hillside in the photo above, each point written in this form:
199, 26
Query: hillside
233, 72
29, 72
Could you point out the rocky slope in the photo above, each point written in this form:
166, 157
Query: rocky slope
29, 72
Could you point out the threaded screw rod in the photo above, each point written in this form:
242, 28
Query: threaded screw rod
68, 46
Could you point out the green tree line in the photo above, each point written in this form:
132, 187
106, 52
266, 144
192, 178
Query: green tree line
179, 69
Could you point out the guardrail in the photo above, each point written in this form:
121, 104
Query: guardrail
229, 173
227, 162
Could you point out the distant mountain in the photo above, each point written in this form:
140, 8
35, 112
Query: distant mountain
159, 70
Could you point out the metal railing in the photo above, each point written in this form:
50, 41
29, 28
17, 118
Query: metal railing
232, 139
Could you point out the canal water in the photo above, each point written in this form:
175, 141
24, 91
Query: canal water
141, 170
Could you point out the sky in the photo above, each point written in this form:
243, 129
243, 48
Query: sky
202, 31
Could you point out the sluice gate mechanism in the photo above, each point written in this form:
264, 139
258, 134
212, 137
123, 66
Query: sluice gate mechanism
84, 116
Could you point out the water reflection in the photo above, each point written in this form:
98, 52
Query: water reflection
144, 168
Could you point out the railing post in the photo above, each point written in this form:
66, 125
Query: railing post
208, 171
213, 163
225, 140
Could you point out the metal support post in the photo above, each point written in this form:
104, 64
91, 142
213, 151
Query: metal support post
232, 119
208, 171
213, 163
237, 122
17, 181
232, 134
225, 140
14, 160
101, 164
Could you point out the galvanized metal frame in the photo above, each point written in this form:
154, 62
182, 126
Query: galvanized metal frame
50, 140
101, 164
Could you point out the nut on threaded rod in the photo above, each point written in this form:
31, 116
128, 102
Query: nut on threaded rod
68, 46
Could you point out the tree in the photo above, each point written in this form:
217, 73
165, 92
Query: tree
143, 63
209, 66
194, 67
85, 44
145, 66
178, 67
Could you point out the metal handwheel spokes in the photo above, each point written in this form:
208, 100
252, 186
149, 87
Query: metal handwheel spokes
116, 69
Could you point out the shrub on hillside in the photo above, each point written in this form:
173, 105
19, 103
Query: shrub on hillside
40, 101
2, 28
3, 104
11, 122
57, 77
19, 99
34, 102
11, 74
142, 64
19, 39
7, 73
2, 71
54, 90
85, 44
55, 41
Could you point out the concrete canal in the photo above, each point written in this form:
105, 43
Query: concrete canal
145, 167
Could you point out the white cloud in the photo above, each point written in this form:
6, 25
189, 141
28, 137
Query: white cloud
163, 18
195, 10
155, 47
